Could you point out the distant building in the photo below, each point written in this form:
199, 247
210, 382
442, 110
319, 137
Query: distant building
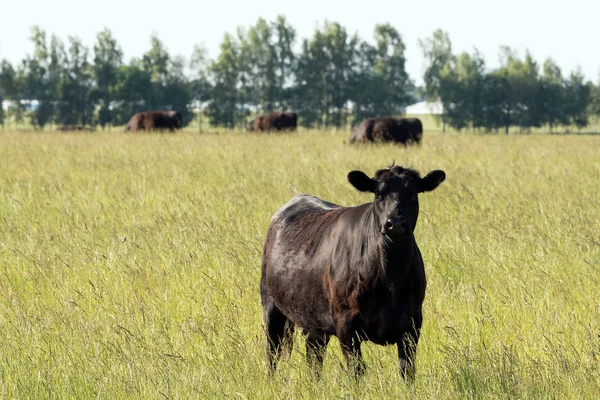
28, 105
425, 108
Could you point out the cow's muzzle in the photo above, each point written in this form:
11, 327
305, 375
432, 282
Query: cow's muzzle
395, 228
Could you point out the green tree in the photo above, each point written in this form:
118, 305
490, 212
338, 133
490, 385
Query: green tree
267, 65
451, 95
74, 88
108, 58
530, 93
156, 63
495, 99
393, 82
285, 63
457, 89
595, 99
169, 85
156, 60
8, 80
224, 77
8, 88
257, 66
553, 95
1, 108
437, 51
325, 72
42, 75
12, 82
577, 99
365, 83
461, 87
379, 82
390, 67
308, 88
199, 85
523, 106
176, 90
133, 87
471, 69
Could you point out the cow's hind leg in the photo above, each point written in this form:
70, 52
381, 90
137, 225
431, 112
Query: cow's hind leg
316, 345
279, 335
407, 348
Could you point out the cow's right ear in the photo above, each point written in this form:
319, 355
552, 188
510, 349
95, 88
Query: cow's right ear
362, 182
432, 180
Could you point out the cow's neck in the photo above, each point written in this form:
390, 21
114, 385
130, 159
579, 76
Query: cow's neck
397, 255
380, 262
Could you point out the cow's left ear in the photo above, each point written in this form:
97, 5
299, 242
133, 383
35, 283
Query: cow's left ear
432, 180
362, 182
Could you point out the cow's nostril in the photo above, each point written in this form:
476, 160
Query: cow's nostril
389, 225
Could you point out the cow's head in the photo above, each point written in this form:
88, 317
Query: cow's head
396, 189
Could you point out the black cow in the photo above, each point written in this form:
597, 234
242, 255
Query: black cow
158, 120
275, 121
352, 272
388, 129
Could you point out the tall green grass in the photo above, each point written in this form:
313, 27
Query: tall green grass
129, 265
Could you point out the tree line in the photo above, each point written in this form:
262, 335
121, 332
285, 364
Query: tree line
520, 93
332, 79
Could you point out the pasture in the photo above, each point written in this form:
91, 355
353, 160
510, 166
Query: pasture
129, 265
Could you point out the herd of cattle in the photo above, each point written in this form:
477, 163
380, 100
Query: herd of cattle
382, 129
351, 272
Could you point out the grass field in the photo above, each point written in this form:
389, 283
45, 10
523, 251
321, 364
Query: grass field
129, 265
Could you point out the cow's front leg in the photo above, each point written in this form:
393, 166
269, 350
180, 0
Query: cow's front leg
316, 345
407, 348
350, 342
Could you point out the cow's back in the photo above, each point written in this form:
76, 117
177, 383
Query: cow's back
384, 129
302, 220
291, 274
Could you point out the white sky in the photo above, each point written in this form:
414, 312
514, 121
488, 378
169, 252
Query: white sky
565, 31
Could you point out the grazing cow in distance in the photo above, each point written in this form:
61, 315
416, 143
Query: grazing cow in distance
159, 120
351, 272
388, 129
275, 121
